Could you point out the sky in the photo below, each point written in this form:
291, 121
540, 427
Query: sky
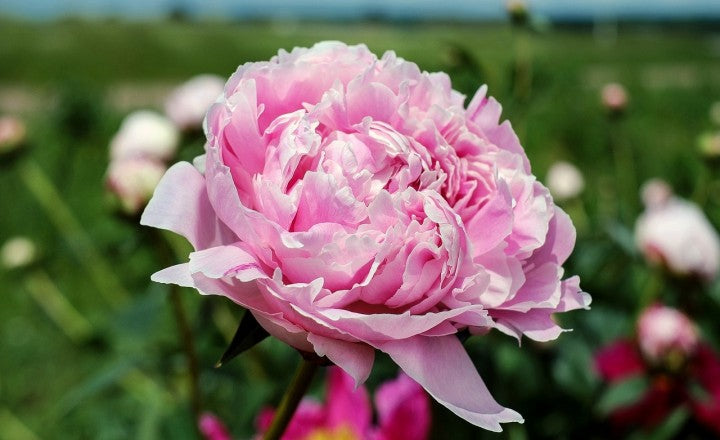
348, 9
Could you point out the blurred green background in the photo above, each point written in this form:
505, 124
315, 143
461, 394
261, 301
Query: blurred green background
118, 370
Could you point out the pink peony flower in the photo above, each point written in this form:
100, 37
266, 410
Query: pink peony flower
663, 330
403, 411
352, 204
655, 193
687, 376
145, 134
614, 97
212, 428
677, 234
133, 181
564, 181
12, 133
187, 105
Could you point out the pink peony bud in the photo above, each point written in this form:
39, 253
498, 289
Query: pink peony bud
564, 181
133, 181
12, 133
614, 97
145, 134
17, 252
678, 235
663, 330
655, 193
187, 105
212, 428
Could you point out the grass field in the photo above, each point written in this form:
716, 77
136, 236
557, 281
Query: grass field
116, 369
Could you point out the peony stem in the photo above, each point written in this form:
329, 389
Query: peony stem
167, 248
291, 399
186, 338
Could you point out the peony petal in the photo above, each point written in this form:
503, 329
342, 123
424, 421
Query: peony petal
347, 404
355, 358
403, 409
619, 361
444, 369
180, 204
225, 261
536, 324
178, 274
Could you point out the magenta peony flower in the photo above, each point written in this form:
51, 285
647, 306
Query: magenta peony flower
133, 181
145, 134
663, 330
212, 428
681, 371
352, 204
187, 105
675, 233
403, 411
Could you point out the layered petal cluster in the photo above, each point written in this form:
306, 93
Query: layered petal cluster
353, 203
403, 412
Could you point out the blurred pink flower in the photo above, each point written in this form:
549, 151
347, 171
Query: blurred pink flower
352, 203
564, 181
677, 234
133, 181
212, 428
655, 193
663, 331
687, 376
12, 133
145, 134
614, 97
187, 105
402, 406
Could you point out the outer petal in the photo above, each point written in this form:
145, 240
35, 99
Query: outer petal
355, 358
444, 369
536, 324
178, 274
181, 205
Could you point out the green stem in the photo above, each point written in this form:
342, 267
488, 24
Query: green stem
60, 214
625, 181
291, 400
47, 295
167, 248
188, 343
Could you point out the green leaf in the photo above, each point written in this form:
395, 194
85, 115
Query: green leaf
247, 335
622, 394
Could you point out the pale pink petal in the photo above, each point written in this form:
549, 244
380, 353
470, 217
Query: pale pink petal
181, 205
354, 358
178, 274
536, 324
444, 369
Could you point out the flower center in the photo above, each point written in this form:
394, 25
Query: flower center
343, 432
